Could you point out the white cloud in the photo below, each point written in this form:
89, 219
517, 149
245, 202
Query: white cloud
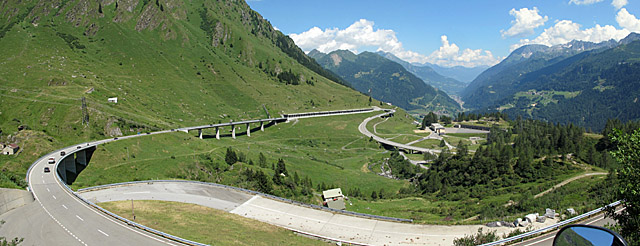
526, 21
619, 3
362, 35
584, 2
449, 55
628, 21
565, 31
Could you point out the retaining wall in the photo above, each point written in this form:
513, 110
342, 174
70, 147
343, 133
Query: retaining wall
13, 198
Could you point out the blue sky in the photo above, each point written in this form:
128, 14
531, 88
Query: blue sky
448, 33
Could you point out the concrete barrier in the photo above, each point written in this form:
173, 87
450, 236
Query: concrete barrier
13, 198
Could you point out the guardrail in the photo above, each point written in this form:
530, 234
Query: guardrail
128, 222
554, 226
253, 193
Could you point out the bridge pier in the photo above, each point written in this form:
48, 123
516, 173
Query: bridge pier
233, 131
200, 133
217, 132
72, 164
248, 130
262, 126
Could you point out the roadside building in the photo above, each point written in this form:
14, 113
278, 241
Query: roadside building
10, 149
437, 128
334, 198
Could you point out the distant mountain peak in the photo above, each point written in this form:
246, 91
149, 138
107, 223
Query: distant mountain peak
630, 38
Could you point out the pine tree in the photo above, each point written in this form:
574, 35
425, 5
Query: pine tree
262, 160
230, 158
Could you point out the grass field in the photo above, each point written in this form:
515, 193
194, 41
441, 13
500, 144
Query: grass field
206, 225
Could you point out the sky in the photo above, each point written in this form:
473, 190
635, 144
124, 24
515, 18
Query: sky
448, 33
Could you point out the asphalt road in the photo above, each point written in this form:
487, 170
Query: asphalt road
60, 218
547, 239
363, 129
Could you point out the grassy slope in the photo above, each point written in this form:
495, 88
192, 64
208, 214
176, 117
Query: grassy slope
163, 78
206, 225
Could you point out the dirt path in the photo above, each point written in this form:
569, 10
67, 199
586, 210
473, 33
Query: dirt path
566, 182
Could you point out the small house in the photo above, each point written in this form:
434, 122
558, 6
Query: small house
113, 100
10, 149
333, 198
437, 128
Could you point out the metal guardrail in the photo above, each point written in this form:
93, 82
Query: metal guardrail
128, 222
254, 193
151, 230
554, 226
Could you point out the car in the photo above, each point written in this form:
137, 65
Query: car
52, 160
62, 153
79, 147
46, 170
115, 138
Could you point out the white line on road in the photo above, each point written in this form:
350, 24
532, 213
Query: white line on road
103, 233
79, 217
65, 207
48, 190
43, 181
54, 197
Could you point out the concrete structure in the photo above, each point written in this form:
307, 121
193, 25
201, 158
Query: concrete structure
437, 128
73, 163
10, 149
363, 129
334, 198
64, 218
112, 100
13, 198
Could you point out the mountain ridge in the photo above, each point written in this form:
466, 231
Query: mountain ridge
387, 81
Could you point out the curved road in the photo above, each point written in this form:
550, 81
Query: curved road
58, 217
363, 129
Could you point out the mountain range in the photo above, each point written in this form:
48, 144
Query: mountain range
579, 82
451, 86
387, 81
170, 63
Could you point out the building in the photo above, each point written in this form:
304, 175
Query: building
10, 149
113, 100
334, 199
437, 128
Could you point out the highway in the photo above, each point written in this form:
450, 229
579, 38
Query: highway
57, 217
363, 129
547, 239
60, 217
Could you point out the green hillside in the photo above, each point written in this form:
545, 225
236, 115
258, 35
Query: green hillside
585, 88
387, 80
170, 63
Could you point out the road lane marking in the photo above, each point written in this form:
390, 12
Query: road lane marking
65, 207
79, 217
43, 181
103, 233
54, 197
48, 190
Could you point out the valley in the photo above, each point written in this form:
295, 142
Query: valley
426, 150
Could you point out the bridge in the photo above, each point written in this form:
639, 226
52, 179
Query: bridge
389, 112
61, 216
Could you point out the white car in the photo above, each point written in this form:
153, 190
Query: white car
52, 160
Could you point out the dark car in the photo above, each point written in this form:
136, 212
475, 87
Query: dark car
79, 147
46, 170
62, 153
